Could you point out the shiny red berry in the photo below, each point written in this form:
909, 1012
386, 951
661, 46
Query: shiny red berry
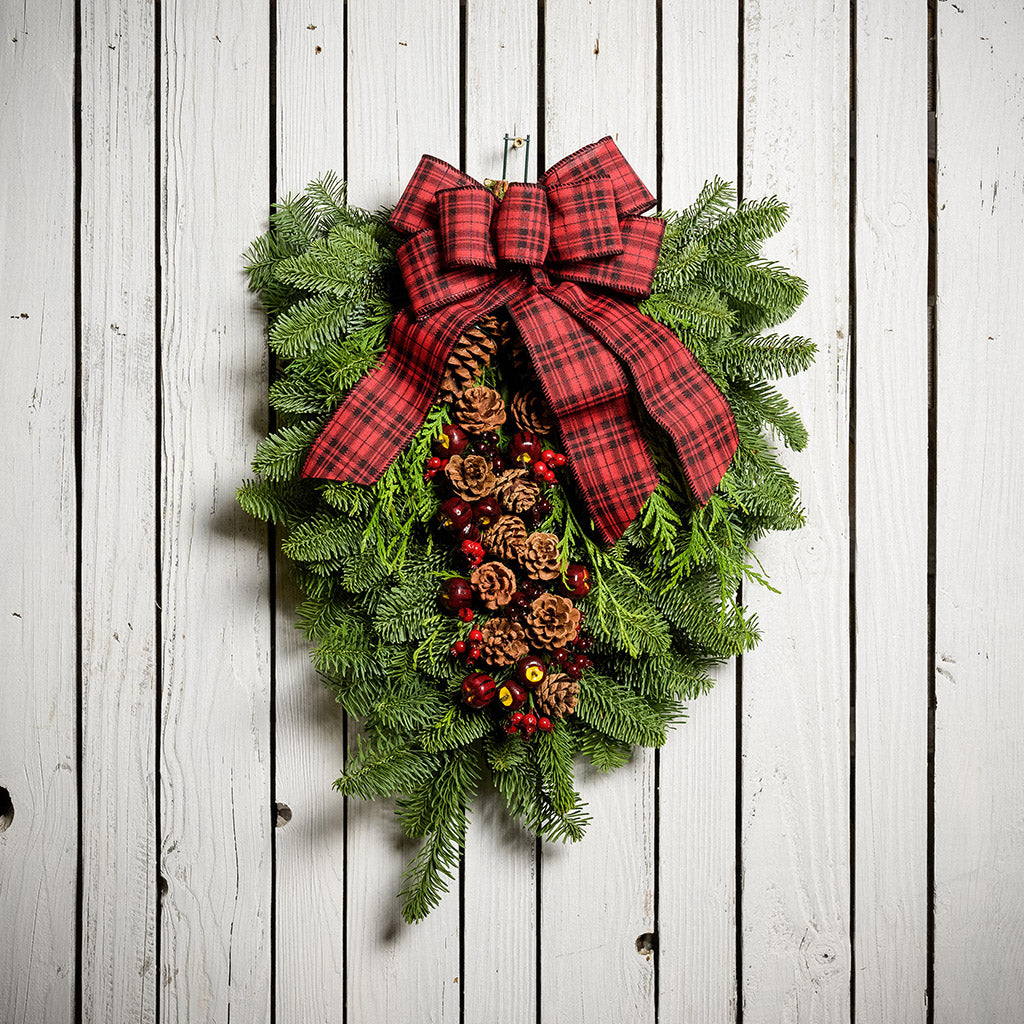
560, 657
511, 729
455, 513
459, 647
452, 440
475, 636
433, 462
558, 459
544, 724
530, 720
456, 594
572, 670
466, 614
474, 653
517, 718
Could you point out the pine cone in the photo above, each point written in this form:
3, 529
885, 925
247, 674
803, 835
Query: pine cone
540, 557
504, 642
471, 476
473, 351
494, 584
505, 538
479, 409
552, 621
531, 412
557, 695
516, 491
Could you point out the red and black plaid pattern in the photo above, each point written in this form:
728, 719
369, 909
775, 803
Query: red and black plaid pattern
465, 216
632, 271
584, 220
429, 282
417, 208
589, 395
579, 339
522, 228
672, 385
603, 157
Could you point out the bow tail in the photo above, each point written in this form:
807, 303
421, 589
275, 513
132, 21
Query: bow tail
383, 411
589, 394
679, 395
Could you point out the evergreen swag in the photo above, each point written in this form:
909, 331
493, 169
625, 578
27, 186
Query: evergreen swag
663, 605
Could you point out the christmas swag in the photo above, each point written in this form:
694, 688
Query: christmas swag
525, 438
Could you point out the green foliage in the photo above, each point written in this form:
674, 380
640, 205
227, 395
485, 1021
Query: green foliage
663, 607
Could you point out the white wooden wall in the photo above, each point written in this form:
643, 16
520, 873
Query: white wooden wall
836, 835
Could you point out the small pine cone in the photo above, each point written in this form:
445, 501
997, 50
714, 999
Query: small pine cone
505, 537
472, 352
552, 621
479, 410
504, 642
557, 695
516, 491
494, 584
531, 412
471, 476
540, 557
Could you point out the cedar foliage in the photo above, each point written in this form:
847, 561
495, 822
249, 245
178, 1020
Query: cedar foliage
663, 608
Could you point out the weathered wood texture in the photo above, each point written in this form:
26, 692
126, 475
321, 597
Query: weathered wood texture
119, 514
38, 756
215, 811
979, 781
141, 876
795, 783
891, 558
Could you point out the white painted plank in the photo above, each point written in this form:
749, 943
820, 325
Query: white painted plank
979, 718
891, 232
118, 313
795, 726
38, 759
308, 725
403, 96
500, 913
696, 941
598, 896
215, 742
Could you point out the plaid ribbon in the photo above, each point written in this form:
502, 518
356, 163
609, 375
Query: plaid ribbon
564, 256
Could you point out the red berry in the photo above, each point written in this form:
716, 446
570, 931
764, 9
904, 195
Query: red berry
456, 594
455, 513
544, 724
517, 718
459, 647
466, 614
530, 720
475, 636
511, 729
512, 695
433, 462
529, 730
549, 476
560, 657
572, 670
558, 459
540, 471
478, 690
547, 455
530, 671
486, 510
474, 653
451, 441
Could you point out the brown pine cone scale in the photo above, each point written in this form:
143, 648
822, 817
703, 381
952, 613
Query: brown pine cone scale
505, 538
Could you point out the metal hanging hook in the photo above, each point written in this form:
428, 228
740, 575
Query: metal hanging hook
516, 142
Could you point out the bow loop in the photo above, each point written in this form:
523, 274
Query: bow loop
522, 228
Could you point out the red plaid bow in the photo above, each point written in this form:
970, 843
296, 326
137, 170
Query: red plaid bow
554, 253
